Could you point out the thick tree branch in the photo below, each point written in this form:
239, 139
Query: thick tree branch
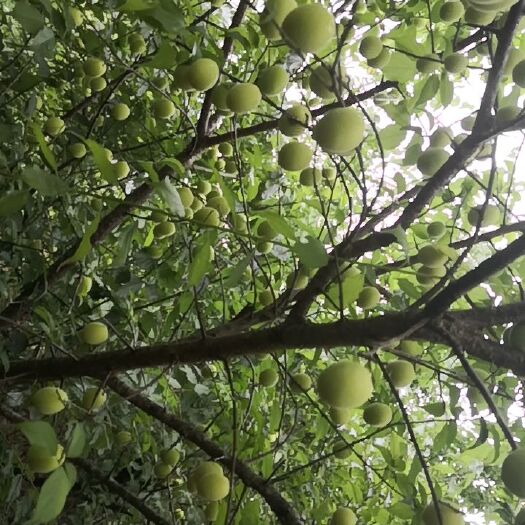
281, 508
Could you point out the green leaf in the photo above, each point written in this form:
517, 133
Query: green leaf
400, 68
446, 90
278, 223
391, 136
170, 196
29, 17
445, 437
123, 246
107, 170
77, 442
85, 244
409, 288
401, 510
164, 58
40, 433
52, 497
138, 5
428, 90
237, 272
12, 202
71, 472
436, 409
483, 433
200, 263
45, 183
352, 284
44, 148
311, 253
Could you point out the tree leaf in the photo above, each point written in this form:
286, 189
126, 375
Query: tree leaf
84, 246
138, 5
401, 510
48, 155
278, 223
236, 273
40, 433
170, 196
52, 497
311, 253
28, 16
100, 156
45, 183
77, 442
200, 263
12, 202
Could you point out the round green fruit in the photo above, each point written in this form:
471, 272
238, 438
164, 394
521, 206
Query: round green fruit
343, 516
93, 399
98, 84
155, 252
162, 470
440, 138
203, 187
77, 150
181, 78
451, 11
345, 384
164, 229
300, 383
219, 96
226, 149
268, 377
428, 276
431, 160
213, 486
491, 216
516, 336
467, 123
294, 156
377, 414
205, 468
294, 120
330, 174
137, 44
505, 116
211, 512
239, 223
428, 64
160, 82
121, 169
368, 298
40, 461
401, 373
265, 231
207, 216
170, 456
341, 449
448, 515
49, 400
220, 204
456, 63
243, 98
120, 111
431, 256
310, 177
272, 17
412, 348
309, 28
186, 196
264, 247
340, 416
94, 67
163, 108
381, 60
123, 438
273, 80
94, 333
203, 74
76, 16
340, 131
54, 126
478, 18
371, 46
436, 230
326, 84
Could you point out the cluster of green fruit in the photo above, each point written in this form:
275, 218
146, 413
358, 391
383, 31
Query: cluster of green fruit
51, 400
432, 257
209, 482
367, 299
168, 459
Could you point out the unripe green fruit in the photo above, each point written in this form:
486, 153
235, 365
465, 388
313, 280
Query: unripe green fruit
230, 166
520, 517
137, 44
41, 462
121, 169
341, 450
294, 156
475, 17
330, 174
340, 416
77, 150
448, 515
410, 347
85, 286
431, 256
120, 111
94, 333
188, 214
297, 281
213, 487
243, 98
123, 438
468, 122
516, 55
381, 60
161, 82
310, 177
513, 472
220, 204
181, 78
345, 384
158, 216
186, 196
325, 84
94, 67
516, 336
226, 149
212, 511
49, 400
155, 252
436, 229
431, 160
504, 117
371, 46
401, 373
203, 187
203, 74
205, 468
162, 470
294, 120
163, 108
76, 16
456, 63
343, 516
219, 96
451, 11
170, 456
266, 231
309, 28
301, 383
272, 17
239, 224
377, 414
368, 298
54, 126
440, 138
93, 399
491, 215
427, 65
264, 247
196, 205
429, 276
273, 80
268, 377
98, 84
265, 297
340, 131
164, 229
207, 216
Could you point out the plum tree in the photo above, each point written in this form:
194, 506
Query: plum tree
163, 108
170, 456
208, 216
436, 229
94, 67
431, 160
162, 470
455, 62
213, 486
164, 229
54, 126
326, 83
432, 256
310, 177
77, 150
484, 215
341, 450
451, 11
